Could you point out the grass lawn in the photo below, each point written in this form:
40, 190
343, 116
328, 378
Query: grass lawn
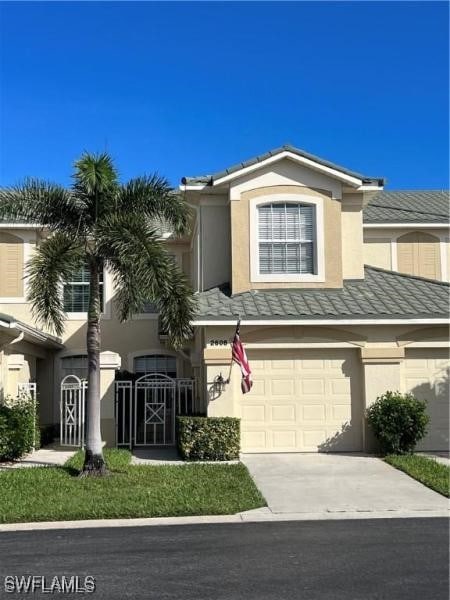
426, 470
56, 494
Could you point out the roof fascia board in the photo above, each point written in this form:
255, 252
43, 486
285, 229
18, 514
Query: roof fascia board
366, 188
34, 334
192, 188
352, 181
290, 322
412, 225
20, 226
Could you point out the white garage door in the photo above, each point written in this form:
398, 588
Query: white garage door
426, 374
303, 401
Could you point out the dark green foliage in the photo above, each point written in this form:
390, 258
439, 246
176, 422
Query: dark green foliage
398, 421
18, 427
208, 438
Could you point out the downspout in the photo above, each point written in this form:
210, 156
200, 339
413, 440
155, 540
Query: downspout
200, 250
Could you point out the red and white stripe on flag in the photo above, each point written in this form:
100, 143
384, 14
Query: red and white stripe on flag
240, 358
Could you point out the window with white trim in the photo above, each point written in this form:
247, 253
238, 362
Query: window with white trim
75, 365
156, 363
286, 238
76, 292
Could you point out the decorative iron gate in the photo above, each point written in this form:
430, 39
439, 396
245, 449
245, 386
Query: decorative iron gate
145, 409
72, 411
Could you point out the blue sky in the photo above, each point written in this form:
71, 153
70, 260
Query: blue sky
191, 88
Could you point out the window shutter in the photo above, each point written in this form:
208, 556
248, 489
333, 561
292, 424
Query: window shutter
11, 266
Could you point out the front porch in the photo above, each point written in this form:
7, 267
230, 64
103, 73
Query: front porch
144, 410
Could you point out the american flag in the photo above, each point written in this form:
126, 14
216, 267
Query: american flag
240, 358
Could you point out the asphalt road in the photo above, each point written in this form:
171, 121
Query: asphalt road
371, 559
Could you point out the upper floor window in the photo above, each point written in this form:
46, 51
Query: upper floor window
76, 292
75, 365
156, 363
286, 238
287, 241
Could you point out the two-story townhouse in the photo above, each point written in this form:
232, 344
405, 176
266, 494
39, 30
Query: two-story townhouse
339, 287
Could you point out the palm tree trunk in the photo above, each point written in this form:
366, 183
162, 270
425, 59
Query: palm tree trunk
94, 463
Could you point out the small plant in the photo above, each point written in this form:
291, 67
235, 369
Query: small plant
208, 438
399, 422
19, 433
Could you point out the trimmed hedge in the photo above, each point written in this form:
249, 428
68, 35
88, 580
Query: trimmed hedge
399, 422
208, 438
19, 432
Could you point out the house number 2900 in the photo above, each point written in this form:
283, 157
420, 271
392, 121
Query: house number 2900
218, 342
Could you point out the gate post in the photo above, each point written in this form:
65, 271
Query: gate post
109, 363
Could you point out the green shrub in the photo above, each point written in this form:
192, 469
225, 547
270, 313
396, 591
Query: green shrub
398, 421
19, 432
208, 438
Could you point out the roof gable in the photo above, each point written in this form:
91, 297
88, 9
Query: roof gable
314, 162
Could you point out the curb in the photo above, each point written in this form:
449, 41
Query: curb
260, 515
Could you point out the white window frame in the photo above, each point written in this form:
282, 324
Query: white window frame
319, 250
72, 355
107, 297
132, 356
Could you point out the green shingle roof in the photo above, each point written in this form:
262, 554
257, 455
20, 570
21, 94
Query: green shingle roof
209, 179
380, 295
419, 206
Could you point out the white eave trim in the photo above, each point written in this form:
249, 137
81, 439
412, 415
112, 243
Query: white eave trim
291, 322
406, 225
20, 226
32, 333
353, 181
192, 187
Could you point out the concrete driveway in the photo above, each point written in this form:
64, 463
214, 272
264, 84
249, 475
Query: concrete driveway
338, 483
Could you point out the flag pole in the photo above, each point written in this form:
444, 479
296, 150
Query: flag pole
234, 337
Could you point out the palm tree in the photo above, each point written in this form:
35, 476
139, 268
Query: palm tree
99, 222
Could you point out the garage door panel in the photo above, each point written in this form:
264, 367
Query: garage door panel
254, 413
283, 412
254, 439
282, 387
426, 375
311, 387
308, 402
311, 412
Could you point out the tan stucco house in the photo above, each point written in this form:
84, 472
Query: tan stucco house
342, 293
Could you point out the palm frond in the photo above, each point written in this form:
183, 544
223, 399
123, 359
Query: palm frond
151, 196
43, 203
53, 262
95, 182
95, 173
144, 272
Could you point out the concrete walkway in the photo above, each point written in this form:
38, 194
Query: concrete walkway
169, 456
49, 456
338, 483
